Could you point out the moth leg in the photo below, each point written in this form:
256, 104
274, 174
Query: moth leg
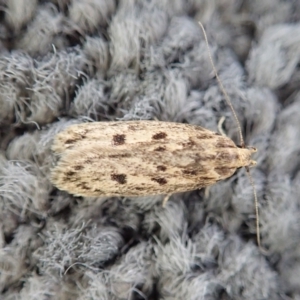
166, 198
220, 124
206, 192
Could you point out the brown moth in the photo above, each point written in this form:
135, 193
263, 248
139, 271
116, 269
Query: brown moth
139, 158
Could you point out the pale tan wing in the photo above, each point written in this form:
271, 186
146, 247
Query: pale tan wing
142, 158
104, 172
172, 158
123, 134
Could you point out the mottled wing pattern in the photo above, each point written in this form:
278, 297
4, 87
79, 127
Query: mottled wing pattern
140, 158
124, 134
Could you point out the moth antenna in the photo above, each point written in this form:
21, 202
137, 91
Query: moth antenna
240, 134
242, 143
256, 207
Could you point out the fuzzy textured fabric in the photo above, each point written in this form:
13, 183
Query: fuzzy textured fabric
71, 61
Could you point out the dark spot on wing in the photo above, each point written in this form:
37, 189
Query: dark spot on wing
160, 180
72, 141
161, 168
133, 127
222, 171
88, 161
205, 136
122, 155
210, 156
189, 172
70, 173
78, 136
189, 144
160, 149
83, 185
159, 136
119, 139
207, 157
208, 179
200, 158
70, 179
139, 188
78, 167
95, 178
225, 143
120, 178
227, 157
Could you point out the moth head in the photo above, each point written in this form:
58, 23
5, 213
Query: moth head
252, 163
245, 157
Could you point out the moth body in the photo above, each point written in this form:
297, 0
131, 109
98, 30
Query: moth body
138, 158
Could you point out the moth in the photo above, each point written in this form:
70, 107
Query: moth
138, 158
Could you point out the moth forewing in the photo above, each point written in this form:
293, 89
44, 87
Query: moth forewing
139, 158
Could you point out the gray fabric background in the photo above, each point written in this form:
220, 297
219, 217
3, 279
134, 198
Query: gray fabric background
72, 61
